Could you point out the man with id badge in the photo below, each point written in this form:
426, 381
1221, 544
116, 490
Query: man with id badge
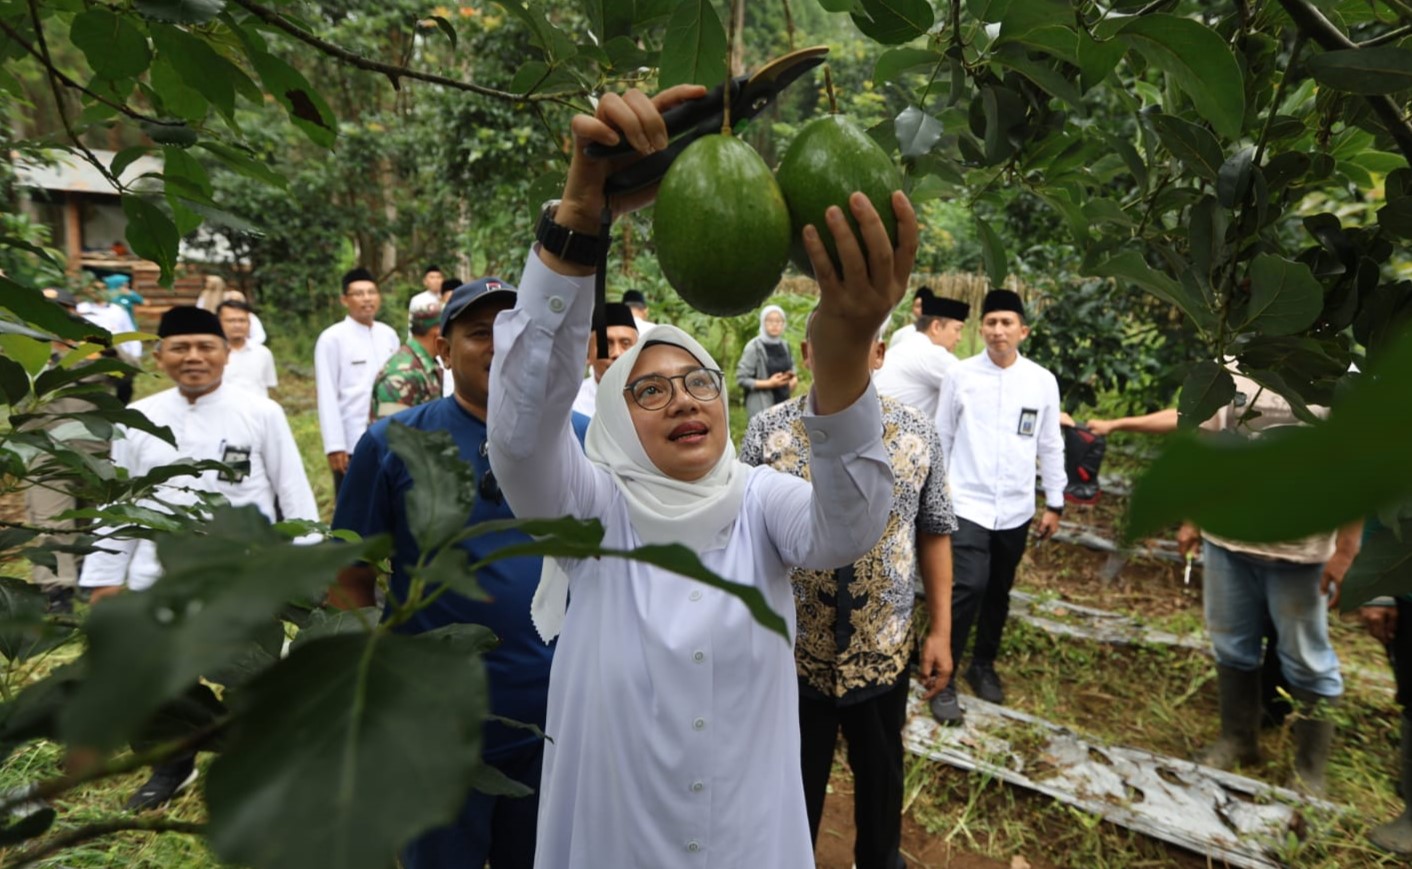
997, 416
209, 420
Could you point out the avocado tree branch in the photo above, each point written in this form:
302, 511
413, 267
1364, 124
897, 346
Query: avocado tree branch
1312, 23
96, 830
394, 73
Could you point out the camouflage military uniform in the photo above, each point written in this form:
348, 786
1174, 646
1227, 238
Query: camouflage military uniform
411, 377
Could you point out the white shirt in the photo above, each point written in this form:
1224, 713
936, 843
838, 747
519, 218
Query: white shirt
220, 426
994, 423
901, 334
116, 320
347, 359
586, 402
642, 325
912, 372
674, 715
252, 366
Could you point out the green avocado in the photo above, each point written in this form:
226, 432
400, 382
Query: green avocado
829, 159
721, 226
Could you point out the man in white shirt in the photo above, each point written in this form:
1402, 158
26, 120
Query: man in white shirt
911, 328
998, 413
347, 358
210, 421
915, 368
251, 365
622, 336
636, 301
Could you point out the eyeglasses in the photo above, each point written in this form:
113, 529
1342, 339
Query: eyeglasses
655, 391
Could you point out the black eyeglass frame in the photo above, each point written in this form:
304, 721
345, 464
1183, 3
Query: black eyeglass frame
718, 377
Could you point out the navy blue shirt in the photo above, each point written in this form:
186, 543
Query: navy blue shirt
371, 502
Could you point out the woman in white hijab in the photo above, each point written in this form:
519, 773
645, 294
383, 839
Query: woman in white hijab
766, 369
673, 714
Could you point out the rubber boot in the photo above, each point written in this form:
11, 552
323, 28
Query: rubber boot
1396, 835
1313, 739
1240, 720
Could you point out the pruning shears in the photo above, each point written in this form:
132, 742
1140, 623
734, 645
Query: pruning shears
750, 95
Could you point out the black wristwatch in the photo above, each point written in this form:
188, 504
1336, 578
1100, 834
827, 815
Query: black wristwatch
565, 243
1057, 511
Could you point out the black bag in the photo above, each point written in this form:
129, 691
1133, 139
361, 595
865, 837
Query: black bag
1083, 456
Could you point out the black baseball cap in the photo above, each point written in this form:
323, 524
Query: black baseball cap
467, 295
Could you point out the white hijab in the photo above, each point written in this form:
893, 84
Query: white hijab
698, 514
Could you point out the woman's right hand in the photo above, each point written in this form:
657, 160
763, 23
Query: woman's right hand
633, 116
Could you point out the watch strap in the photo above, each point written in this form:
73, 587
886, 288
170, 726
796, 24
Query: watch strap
565, 243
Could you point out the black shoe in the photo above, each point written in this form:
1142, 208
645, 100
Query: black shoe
986, 683
168, 780
946, 708
59, 600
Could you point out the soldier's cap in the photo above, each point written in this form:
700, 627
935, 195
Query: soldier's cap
467, 295
940, 306
424, 310
60, 296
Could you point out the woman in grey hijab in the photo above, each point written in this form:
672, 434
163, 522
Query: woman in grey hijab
766, 369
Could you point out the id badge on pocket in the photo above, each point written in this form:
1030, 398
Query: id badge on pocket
1029, 419
237, 459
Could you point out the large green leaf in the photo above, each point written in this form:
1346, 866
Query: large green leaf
1285, 297
1208, 388
554, 42
1192, 144
31, 306
305, 106
992, 253
345, 750
1198, 61
1244, 489
152, 235
894, 62
1383, 69
1383, 566
694, 48
198, 64
1130, 266
114, 47
1022, 17
180, 11
218, 592
917, 132
893, 22
443, 485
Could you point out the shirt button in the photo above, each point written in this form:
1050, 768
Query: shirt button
819, 436
697, 787
698, 656
693, 846
699, 724
556, 304
695, 595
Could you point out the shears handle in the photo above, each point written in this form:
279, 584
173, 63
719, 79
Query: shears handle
695, 117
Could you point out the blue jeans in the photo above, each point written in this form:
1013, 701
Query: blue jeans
498, 829
1240, 589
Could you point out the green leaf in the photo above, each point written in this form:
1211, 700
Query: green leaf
180, 11
173, 93
113, 46
895, 61
1192, 144
1383, 566
245, 163
694, 47
1043, 75
1198, 61
1004, 110
1285, 297
331, 623
152, 235
1130, 266
1243, 489
838, 5
1025, 16
1383, 69
555, 44
14, 382
443, 485
893, 22
125, 158
992, 253
305, 106
31, 353
445, 27
179, 165
321, 777
470, 640
198, 64
489, 780
917, 132
449, 567
31, 306
1396, 217
1097, 59
1233, 179
1208, 388
218, 592
22, 608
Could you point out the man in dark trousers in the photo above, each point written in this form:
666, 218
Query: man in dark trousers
500, 829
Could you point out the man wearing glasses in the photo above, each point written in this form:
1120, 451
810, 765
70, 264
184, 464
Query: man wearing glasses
500, 829
347, 358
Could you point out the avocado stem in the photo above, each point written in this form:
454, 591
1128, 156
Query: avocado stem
828, 86
730, 73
